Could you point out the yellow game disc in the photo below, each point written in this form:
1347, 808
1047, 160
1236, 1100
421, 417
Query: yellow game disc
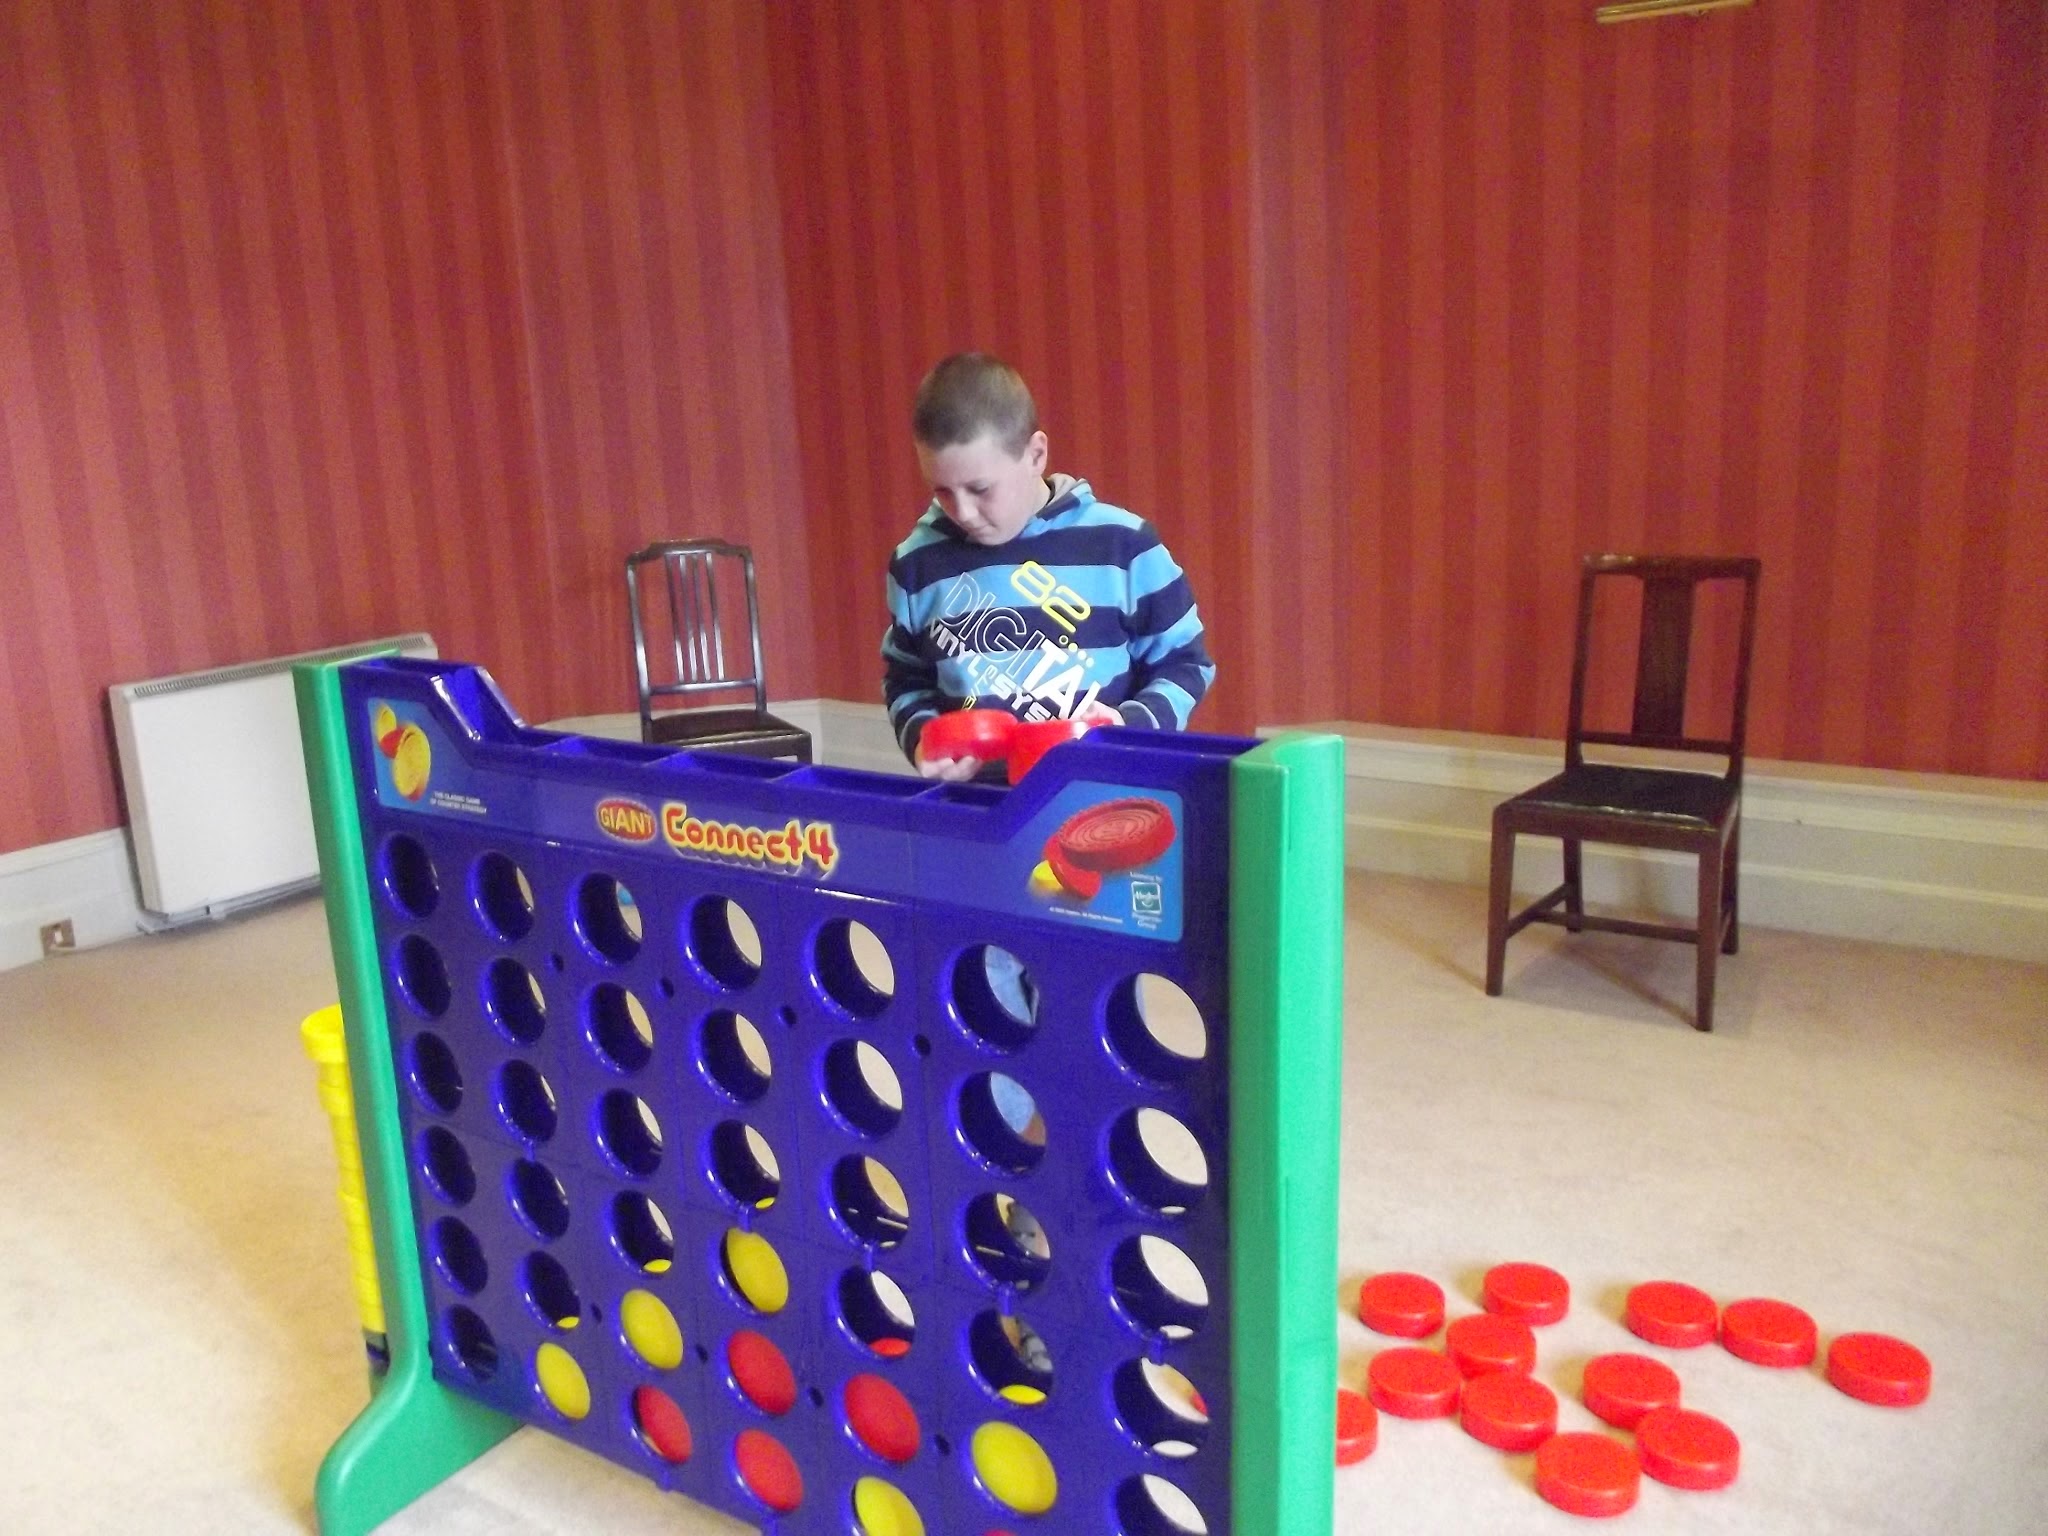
1014, 1468
562, 1381
651, 1329
1027, 1397
756, 1271
1044, 884
882, 1510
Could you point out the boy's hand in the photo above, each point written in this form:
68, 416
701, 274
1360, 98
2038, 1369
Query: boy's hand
1099, 714
952, 770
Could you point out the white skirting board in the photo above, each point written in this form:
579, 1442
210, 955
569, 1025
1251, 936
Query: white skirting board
1949, 863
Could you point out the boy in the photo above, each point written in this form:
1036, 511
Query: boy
1020, 591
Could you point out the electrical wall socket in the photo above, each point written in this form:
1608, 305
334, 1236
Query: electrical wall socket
58, 937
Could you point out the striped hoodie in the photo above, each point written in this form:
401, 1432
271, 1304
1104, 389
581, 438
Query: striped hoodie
1085, 605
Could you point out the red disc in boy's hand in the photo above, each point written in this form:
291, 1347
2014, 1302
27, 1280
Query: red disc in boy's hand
983, 734
1034, 738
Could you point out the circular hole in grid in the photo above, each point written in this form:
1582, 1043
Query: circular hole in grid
435, 1077
620, 1027
1000, 1120
411, 883
1006, 1242
1010, 1358
422, 977
1149, 1505
1157, 1161
502, 897
608, 919
540, 1199
1160, 1408
876, 1313
1158, 1287
854, 968
526, 1102
659, 1425
551, 1293
744, 1165
459, 1256
514, 1001
995, 997
1155, 1028
862, 1087
642, 1234
723, 943
470, 1343
444, 1162
628, 1133
735, 1055
869, 1201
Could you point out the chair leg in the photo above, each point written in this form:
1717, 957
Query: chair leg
1500, 891
1707, 940
1731, 884
1574, 892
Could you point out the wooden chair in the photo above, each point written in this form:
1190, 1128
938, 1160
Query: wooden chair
687, 578
1697, 813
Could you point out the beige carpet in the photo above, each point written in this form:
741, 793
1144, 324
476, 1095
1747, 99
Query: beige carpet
1866, 1135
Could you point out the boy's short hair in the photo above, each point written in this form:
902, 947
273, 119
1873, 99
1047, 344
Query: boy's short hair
971, 393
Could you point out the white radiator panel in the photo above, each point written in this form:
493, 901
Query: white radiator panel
216, 781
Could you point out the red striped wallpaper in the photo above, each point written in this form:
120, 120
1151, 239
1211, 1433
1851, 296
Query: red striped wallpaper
320, 322
1388, 310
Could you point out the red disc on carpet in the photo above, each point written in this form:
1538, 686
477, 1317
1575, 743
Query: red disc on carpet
882, 1418
1876, 1368
1483, 1342
1684, 1449
1358, 1427
1535, 1294
1116, 835
1587, 1474
1673, 1314
1413, 1383
768, 1470
1509, 1411
1622, 1388
1406, 1306
761, 1372
1766, 1332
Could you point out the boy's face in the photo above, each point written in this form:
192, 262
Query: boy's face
989, 492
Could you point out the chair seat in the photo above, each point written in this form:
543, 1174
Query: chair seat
728, 729
1701, 800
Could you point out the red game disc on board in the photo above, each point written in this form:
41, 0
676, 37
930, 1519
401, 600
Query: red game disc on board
1405, 1306
1876, 1368
1587, 1474
1509, 1411
1482, 1343
1766, 1332
1683, 1449
761, 1372
1622, 1388
978, 733
1673, 1314
882, 1418
1358, 1427
662, 1424
768, 1470
1533, 1293
1413, 1383
1116, 835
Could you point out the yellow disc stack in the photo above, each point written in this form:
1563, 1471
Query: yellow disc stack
325, 1043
